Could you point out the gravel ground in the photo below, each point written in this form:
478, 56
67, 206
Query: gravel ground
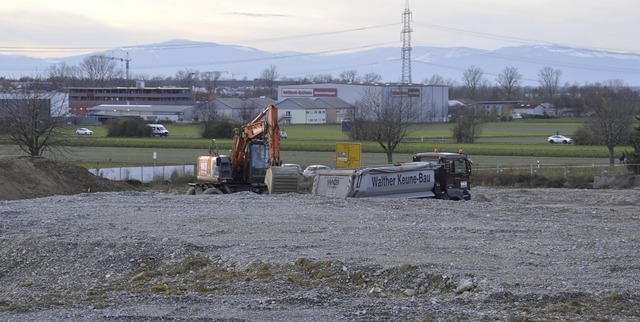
507, 255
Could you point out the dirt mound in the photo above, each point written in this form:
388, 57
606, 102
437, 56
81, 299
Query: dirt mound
26, 177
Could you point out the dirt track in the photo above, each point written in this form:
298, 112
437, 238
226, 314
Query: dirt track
509, 254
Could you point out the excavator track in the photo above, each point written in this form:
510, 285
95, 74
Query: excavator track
282, 180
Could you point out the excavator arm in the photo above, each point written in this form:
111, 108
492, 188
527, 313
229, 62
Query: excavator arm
265, 127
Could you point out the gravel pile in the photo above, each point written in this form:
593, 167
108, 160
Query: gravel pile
509, 255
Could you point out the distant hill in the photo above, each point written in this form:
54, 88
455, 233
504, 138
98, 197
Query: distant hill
578, 65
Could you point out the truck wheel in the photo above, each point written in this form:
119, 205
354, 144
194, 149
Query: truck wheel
212, 191
191, 191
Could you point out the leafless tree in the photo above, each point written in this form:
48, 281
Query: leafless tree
32, 119
210, 80
349, 76
187, 77
246, 113
383, 115
509, 81
372, 78
99, 70
435, 79
323, 78
269, 76
62, 76
613, 108
549, 79
472, 79
467, 128
206, 112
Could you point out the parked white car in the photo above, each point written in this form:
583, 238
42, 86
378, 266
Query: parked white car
559, 139
84, 131
310, 171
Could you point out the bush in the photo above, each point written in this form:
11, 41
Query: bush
582, 137
128, 127
219, 129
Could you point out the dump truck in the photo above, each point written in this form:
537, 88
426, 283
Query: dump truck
430, 175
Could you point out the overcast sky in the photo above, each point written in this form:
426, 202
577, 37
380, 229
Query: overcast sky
49, 28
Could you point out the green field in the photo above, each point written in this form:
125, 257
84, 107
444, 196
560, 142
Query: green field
517, 142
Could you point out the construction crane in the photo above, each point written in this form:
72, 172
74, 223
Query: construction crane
125, 60
233, 75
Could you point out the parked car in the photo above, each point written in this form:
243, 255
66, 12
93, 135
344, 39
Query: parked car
84, 131
559, 139
310, 171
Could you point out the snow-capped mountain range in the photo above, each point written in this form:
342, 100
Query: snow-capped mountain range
578, 65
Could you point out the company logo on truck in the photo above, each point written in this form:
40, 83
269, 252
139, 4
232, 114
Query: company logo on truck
333, 182
399, 179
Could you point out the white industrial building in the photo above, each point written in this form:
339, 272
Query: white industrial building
432, 100
174, 113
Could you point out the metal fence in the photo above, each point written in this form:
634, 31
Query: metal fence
145, 174
555, 169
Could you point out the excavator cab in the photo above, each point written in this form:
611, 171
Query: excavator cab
259, 161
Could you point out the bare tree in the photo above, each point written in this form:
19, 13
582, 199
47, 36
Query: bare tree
269, 76
206, 112
467, 128
32, 119
372, 78
322, 78
435, 80
246, 113
187, 77
509, 81
472, 79
549, 79
383, 115
634, 155
98, 70
349, 76
210, 80
613, 109
62, 75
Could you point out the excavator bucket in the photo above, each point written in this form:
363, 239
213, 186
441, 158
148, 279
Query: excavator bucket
282, 180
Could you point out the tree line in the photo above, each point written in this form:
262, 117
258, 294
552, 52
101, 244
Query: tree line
380, 117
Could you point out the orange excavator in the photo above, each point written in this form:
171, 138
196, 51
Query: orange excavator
253, 165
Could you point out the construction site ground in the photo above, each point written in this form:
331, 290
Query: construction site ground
74, 247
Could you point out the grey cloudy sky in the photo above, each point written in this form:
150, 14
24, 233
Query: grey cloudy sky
48, 28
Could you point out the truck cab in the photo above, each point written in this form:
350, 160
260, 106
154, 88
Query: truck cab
453, 175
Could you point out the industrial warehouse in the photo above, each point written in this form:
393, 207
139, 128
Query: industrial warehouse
297, 104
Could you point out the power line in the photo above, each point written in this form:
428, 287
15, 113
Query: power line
64, 49
513, 39
345, 67
238, 61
